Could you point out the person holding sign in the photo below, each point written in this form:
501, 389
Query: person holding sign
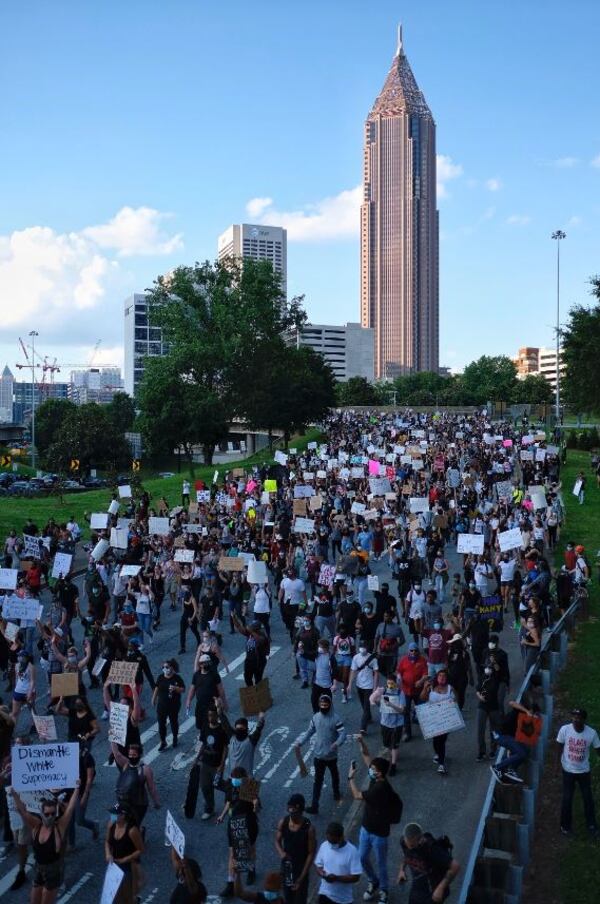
24, 692
124, 846
47, 834
437, 690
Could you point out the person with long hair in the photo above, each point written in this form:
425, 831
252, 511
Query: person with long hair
437, 690
124, 846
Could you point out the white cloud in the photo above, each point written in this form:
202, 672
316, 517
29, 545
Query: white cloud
336, 217
565, 162
256, 206
49, 279
518, 219
135, 231
573, 221
595, 162
493, 184
446, 170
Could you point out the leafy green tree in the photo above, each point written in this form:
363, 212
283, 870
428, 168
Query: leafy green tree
358, 391
421, 388
49, 418
121, 411
581, 354
490, 379
532, 390
88, 433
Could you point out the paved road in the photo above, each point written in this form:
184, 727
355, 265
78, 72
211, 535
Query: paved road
448, 804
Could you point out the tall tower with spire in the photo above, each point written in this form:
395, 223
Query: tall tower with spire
7, 382
399, 283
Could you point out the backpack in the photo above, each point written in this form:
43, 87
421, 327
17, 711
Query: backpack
131, 787
395, 807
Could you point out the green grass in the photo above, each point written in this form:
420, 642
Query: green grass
580, 682
15, 511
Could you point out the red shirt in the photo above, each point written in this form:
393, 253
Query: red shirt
411, 671
437, 652
570, 559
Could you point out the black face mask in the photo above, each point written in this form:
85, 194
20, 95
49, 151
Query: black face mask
324, 709
241, 733
134, 760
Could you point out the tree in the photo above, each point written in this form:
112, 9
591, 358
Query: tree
121, 411
490, 379
49, 418
581, 354
421, 388
88, 434
532, 390
357, 391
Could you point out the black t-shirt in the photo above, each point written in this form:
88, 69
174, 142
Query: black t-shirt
428, 863
376, 816
207, 687
67, 595
181, 895
165, 697
214, 741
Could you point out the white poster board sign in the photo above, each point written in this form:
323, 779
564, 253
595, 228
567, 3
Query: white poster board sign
257, 572
174, 834
577, 488
419, 504
41, 766
100, 549
112, 882
510, 539
185, 555
31, 547
119, 537
281, 458
99, 521
113, 508
439, 718
470, 543
125, 492
117, 723
327, 575
16, 608
62, 564
380, 486
358, 508
158, 526
372, 582
453, 477
45, 727
130, 571
538, 497
304, 526
8, 578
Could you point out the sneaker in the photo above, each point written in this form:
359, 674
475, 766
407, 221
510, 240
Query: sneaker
104, 716
344, 697
313, 810
227, 892
251, 877
295, 677
19, 880
442, 769
162, 745
392, 770
206, 815
436, 758
497, 773
513, 776
304, 685
371, 891
383, 896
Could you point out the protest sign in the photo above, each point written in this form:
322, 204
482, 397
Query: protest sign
257, 572
304, 526
112, 882
380, 486
417, 464
371, 514
256, 699
418, 504
308, 475
159, 526
117, 723
31, 547
65, 684
470, 543
358, 508
100, 549
299, 507
552, 450
174, 834
45, 727
113, 508
15, 607
14, 817
357, 473
99, 521
230, 563
119, 537
8, 578
510, 539
41, 766
439, 718
281, 458
504, 489
315, 503
122, 672
10, 631
538, 498
130, 571
202, 496
577, 488
453, 477
193, 528
98, 666
327, 575
491, 609
540, 454
125, 491
525, 455
62, 564
123, 523
270, 486
372, 582
311, 445
250, 789
184, 555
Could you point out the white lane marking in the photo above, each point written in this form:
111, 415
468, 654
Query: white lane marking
151, 896
7, 880
75, 888
266, 747
274, 650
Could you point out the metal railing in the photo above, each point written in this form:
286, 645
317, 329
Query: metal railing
496, 875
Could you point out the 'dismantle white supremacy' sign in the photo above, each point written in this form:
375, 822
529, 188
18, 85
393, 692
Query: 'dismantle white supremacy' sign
38, 766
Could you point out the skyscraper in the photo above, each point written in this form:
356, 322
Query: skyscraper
399, 283
7, 382
268, 243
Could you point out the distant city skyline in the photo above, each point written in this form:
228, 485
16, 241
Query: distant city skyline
97, 199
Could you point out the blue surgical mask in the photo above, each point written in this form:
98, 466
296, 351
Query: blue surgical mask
113, 817
271, 895
372, 773
236, 782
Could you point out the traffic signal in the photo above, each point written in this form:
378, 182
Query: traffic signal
135, 464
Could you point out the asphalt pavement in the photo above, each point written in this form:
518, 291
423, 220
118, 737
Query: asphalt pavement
442, 804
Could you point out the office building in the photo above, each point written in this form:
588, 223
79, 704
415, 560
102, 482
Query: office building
535, 360
348, 349
95, 384
7, 382
399, 284
140, 340
41, 392
261, 243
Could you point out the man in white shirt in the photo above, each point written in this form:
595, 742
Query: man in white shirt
338, 864
364, 670
292, 592
577, 739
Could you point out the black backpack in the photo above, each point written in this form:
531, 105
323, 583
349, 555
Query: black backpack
395, 807
131, 787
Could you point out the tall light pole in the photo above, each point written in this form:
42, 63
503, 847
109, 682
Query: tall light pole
559, 235
33, 334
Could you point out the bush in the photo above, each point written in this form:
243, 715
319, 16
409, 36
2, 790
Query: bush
572, 439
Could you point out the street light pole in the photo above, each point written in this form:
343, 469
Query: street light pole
559, 235
33, 334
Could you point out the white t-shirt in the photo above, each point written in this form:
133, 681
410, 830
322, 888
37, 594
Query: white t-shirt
576, 750
261, 601
365, 677
293, 590
342, 861
507, 570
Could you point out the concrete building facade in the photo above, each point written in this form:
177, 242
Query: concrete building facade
399, 279
140, 340
349, 349
7, 382
257, 242
538, 360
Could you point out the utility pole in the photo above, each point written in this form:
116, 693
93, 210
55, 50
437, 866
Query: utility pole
33, 334
559, 235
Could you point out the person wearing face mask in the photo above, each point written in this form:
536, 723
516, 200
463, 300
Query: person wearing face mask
330, 734
258, 648
325, 669
135, 782
242, 744
166, 697
189, 889
209, 766
389, 637
338, 865
348, 609
497, 658
296, 844
242, 829
305, 648
488, 710
47, 835
271, 894
206, 684
460, 670
365, 671
470, 599
439, 690
412, 671
369, 623
414, 610
437, 638
392, 706
124, 846
24, 690
82, 722
210, 645
343, 647
72, 663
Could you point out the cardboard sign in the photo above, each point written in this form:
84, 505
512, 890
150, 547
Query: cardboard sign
65, 684
112, 882
418, 504
184, 555
327, 575
304, 526
230, 563
250, 789
372, 582
439, 718
123, 672
299, 507
470, 543
42, 766
257, 572
62, 564
8, 578
118, 718
45, 727
119, 537
99, 521
315, 503
510, 539
125, 492
256, 699
16, 608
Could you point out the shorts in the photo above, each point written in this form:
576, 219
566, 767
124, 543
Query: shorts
19, 698
48, 875
343, 660
390, 737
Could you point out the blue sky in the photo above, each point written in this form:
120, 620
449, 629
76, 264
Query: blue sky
133, 133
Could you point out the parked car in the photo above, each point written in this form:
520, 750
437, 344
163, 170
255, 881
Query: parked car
93, 483
167, 474
7, 478
24, 488
72, 486
37, 483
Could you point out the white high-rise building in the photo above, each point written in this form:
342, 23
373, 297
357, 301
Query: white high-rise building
140, 339
349, 349
95, 384
7, 382
261, 243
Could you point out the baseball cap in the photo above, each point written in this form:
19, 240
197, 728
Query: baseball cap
413, 646
579, 549
579, 712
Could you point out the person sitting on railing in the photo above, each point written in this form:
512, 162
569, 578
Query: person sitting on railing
519, 734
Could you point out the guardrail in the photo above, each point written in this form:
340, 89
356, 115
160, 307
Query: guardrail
501, 846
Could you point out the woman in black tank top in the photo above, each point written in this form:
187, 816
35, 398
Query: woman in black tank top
124, 846
295, 842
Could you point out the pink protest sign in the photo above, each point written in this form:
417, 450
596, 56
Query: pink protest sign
251, 486
373, 468
507, 443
